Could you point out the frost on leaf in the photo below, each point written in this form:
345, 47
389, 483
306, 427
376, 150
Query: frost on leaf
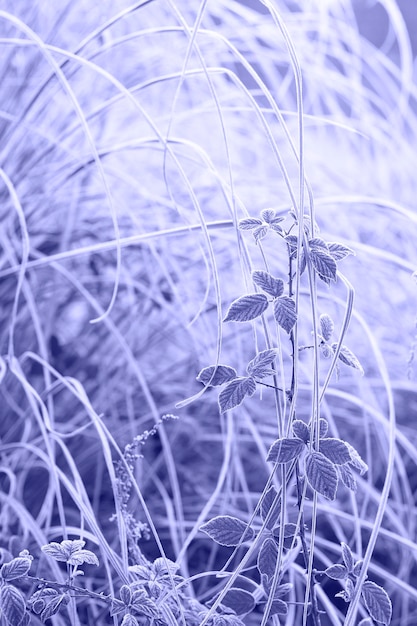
347, 555
326, 326
239, 600
269, 509
301, 430
216, 375
129, 620
250, 223
347, 357
12, 605
247, 308
285, 450
235, 391
324, 265
268, 283
336, 572
70, 551
278, 607
285, 312
377, 602
268, 215
260, 232
54, 606
347, 477
267, 558
260, 366
321, 475
227, 530
356, 460
16, 568
339, 251
335, 450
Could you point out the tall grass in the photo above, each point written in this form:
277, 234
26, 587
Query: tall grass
134, 137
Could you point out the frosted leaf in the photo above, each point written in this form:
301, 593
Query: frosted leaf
239, 600
336, 572
216, 375
17, 568
377, 602
339, 251
285, 450
268, 283
301, 430
234, 393
285, 313
12, 604
326, 326
267, 558
250, 223
227, 530
247, 308
260, 366
321, 475
335, 450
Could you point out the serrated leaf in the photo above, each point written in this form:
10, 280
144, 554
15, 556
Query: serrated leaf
268, 215
54, 606
347, 477
117, 606
357, 568
249, 223
125, 594
276, 227
318, 245
335, 450
301, 430
227, 530
12, 604
234, 393
239, 600
278, 607
356, 460
348, 358
83, 556
339, 251
321, 475
336, 572
64, 550
377, 602
267, 558
260, 232
285, 312
325, 265
347, 555
271, 285
129, 620
285, 450
326, 326
247, 308
142, 603
266, 505
216, 375
16, 568
261, 364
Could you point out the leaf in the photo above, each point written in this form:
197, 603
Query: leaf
292, 243
326, 326
227, 530
266, 505
285, 450
142, 603
347, 593
83, 556
357, 568
260, 232
125, 594
249, 223
324, 264
117, 607
356, 461
347, 557
336, 572
339, 251
267, 558
285, 312
54, 606
17, 568
235, 391
268, 215
129, 620
64, 550
12, 604
267, 282
216, 375
348, 358
239, 600
278, 607
347, 477
247, 308
260, 366
321, 475
377, 602
335, 450
301, 430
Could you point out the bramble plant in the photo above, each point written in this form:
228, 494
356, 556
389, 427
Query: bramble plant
208, 313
